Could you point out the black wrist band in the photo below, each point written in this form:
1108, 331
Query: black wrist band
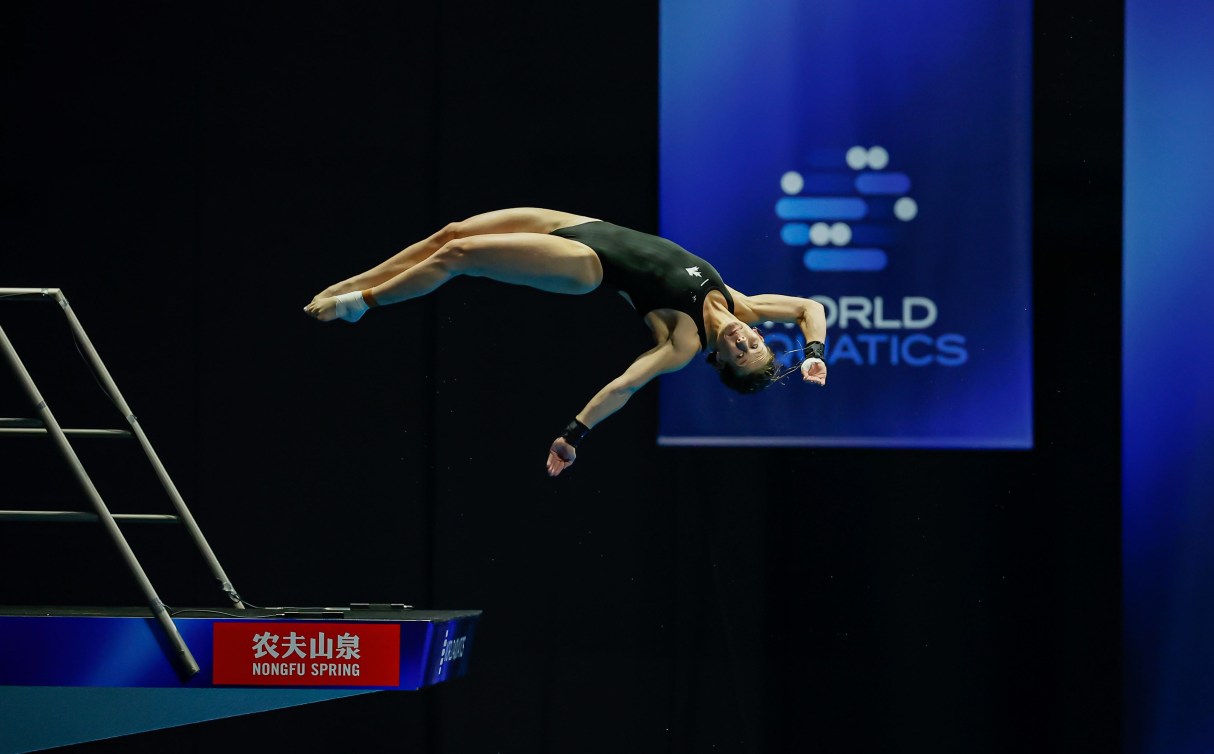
575, 432
815, 350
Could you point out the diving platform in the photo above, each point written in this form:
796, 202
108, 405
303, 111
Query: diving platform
75, 674
69, 675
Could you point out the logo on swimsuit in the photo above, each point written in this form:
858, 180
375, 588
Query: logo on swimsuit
694, 272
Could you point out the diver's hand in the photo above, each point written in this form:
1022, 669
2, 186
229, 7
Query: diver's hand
814, 370
560, 456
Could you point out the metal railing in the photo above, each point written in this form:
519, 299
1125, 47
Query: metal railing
46, 424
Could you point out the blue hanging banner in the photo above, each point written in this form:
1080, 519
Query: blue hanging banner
875, 156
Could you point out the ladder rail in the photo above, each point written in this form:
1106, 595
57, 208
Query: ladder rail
183, 511
106, 433
85, 517
94, 359
183, 659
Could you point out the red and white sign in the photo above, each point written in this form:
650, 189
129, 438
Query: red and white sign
306, 654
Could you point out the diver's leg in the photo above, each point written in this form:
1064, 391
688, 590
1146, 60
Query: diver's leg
515, 220
538, 260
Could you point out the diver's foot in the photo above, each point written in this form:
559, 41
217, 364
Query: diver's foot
348, 306
323, 309
331, 291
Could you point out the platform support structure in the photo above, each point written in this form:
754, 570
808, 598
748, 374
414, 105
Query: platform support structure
49, 425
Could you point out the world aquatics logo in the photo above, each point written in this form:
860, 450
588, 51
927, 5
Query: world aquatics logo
844, 217
847, 214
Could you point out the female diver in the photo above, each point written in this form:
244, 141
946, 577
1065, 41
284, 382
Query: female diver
683, 300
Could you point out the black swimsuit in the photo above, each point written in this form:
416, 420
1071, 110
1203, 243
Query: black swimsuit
654, 273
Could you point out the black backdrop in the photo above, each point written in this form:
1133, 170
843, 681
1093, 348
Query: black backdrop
191, 173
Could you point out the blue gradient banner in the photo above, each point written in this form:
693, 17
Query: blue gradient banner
1168, 354
875, 156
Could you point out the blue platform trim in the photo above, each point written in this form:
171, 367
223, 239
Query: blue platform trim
127, 651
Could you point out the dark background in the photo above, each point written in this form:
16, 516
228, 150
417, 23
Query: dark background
191, 174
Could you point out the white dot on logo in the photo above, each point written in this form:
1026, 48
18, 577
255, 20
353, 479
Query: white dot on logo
857, 158
905, 209
819, 233
878, 158
792, 182
840, 234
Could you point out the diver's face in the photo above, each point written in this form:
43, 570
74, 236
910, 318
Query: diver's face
741, 348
